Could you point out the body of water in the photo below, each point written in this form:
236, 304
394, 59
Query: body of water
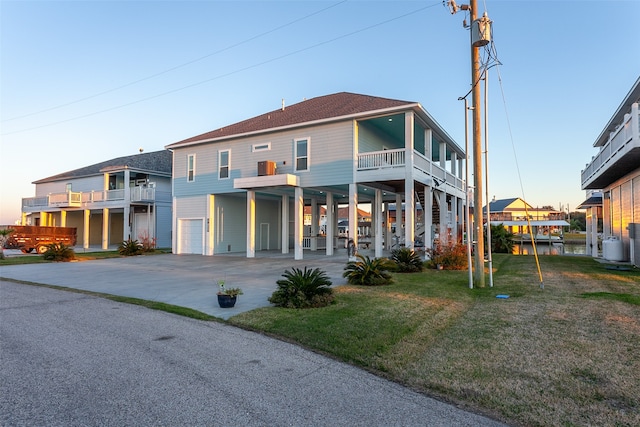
550, 249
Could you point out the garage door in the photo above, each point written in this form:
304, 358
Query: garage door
190, 236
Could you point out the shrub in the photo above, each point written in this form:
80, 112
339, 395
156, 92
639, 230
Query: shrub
451, 256
406, 260
303, 289
130, 247
147, 244
59, 252
368, 272
501, 239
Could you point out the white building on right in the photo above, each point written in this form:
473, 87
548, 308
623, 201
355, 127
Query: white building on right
612, 182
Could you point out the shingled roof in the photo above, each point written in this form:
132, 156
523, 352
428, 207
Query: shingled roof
342, 104
159, 162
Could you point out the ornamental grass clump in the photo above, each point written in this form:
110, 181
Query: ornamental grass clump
369, 272
303, 289
130, 247
407, 260
59, 252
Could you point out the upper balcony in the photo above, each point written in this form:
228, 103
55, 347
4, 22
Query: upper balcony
618, 156
390, 165
91, 199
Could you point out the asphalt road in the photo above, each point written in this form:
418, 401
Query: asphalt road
69, 359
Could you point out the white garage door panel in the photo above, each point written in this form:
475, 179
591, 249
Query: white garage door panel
190, 232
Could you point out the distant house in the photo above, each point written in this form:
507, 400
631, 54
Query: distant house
108, 202
245, 187
517, 215
612, 182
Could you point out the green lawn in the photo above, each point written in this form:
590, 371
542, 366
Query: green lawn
568, 354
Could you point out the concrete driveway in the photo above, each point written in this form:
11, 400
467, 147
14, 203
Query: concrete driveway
183, 280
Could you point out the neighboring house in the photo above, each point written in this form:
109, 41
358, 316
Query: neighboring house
517, 215
244, 187
108, 202
613, 176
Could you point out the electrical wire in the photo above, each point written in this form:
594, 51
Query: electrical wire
515, 156
184, 64
295, 52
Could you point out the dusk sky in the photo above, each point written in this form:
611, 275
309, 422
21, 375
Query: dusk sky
87, 81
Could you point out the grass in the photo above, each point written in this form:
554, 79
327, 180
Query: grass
565, 355
568, 354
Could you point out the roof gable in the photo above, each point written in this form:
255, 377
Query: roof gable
505, 204
159, 162
341, 104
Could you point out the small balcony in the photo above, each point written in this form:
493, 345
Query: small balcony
88, 199
619, 156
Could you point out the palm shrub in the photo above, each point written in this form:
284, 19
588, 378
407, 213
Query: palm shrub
368, 272
303, 289
59, 252
130, 247
502, 239
406, 260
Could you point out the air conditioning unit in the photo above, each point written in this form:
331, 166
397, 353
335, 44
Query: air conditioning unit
266, 167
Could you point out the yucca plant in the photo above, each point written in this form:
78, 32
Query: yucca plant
368, 272
303, 289
130, 247
406, 260
59, 252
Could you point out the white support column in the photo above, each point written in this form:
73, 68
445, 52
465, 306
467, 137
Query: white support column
251, 224
23, 218
428, 219
399, 212
210, 225
299, 223
454, 220
594, 231
63, 218
353, 213
444, 213
428, 134
285, 224
443, 156
409, 189
377, 215
126, 228
85, 229
314, 224
105, 228
387, 224
454, 163
329, 228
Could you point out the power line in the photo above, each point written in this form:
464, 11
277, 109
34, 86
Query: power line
168, 70
295, 52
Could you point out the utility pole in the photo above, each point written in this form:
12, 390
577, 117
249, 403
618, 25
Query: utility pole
480, 36
478, 274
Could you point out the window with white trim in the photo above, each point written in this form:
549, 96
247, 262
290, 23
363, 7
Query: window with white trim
224, 162
302, 154
191, 167
265, 146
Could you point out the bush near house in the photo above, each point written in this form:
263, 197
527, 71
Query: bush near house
130, 247
59, 252
303, 289
449, 255
369, 272
407, 260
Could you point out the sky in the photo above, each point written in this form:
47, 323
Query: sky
82, 82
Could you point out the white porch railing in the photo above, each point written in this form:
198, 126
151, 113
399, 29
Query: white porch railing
381, 159
618, 145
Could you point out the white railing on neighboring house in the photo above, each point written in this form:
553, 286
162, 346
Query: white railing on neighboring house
381, 159
87, 199
617, 145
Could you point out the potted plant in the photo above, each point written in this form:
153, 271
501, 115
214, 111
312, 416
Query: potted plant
227, 296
